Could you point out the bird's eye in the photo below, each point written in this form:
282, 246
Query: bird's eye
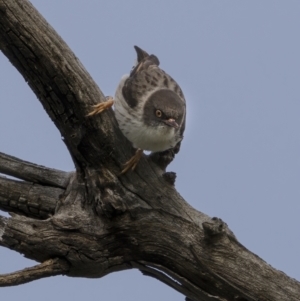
158, 113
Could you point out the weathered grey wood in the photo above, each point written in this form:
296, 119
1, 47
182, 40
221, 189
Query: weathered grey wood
51, 267
61, 83
28, 198
27, 171
104, 222
217, 264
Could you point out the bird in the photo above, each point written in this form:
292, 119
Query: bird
149, 106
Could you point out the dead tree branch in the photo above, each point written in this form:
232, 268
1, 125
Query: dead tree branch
51, 267
30, 172
27, 198
96, 220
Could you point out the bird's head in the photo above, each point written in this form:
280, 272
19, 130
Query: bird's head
164, 108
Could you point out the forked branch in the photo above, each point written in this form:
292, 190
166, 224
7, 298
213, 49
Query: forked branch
104, 222
38, 195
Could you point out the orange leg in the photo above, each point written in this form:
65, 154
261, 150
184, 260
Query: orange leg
102, 106
132, 163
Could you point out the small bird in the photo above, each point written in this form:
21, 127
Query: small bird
149, 106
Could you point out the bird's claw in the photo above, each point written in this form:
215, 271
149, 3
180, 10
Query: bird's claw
132, 163
102, 106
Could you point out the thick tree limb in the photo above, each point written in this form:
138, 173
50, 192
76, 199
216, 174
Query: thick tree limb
27, 198
60, 82
105, 222
64, 88
27, 171
51, 267
212, 265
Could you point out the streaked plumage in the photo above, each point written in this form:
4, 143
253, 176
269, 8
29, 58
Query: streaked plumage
149, 106
147, 89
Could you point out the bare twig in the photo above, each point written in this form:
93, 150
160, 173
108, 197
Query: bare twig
51, 267
27, 171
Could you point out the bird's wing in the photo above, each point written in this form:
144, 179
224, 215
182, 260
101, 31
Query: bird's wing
147, 77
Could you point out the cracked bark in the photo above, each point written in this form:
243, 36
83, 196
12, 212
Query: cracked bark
93, 221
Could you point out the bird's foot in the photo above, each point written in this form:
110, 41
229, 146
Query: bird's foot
102, 106
132, 163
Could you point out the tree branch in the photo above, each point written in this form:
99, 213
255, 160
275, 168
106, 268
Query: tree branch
27, 171
51, 267
104, 222
215, 265
27, 198
62, 85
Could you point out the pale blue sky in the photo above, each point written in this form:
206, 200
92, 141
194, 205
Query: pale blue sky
239, 67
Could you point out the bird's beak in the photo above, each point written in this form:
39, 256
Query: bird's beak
171, 122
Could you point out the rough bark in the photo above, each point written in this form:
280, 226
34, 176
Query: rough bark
93, 221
